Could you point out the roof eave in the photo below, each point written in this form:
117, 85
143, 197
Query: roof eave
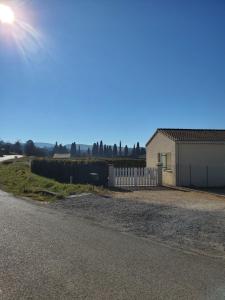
159, 131
201, 142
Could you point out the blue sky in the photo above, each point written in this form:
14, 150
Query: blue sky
112, 70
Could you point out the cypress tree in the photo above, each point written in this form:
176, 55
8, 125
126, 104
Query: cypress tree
134, 151
138, 149
101, 150
55, 149
120, 149
115, 150
94, 149
73, 150
110, 151
105, 150
97, 149
126, 151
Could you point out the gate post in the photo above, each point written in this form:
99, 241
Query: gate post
159, 174
135, 177
111, 181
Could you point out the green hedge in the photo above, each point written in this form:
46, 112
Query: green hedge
127, 163
116, 162
61, 170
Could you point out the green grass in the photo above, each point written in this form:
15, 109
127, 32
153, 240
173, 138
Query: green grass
16, 178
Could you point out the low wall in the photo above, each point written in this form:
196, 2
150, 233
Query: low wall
168, 177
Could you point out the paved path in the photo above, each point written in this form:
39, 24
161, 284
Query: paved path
9, 157
47, 254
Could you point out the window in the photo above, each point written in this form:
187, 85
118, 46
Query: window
165, 159
168, 161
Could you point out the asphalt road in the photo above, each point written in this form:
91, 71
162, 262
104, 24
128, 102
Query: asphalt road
48, 254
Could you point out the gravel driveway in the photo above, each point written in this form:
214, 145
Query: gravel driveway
188, 220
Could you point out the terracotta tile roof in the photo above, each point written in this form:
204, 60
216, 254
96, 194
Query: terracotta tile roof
192, 135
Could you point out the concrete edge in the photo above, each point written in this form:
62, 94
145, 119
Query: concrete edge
185, 189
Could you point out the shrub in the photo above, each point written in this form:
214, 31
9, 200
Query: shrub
127, 163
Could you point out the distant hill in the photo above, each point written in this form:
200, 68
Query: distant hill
44, 145
83, 147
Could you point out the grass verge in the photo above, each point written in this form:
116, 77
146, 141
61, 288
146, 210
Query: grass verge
16, 178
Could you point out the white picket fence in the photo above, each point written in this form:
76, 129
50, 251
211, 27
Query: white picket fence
133, 177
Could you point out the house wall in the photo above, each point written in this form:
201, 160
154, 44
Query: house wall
200, 164
162, 144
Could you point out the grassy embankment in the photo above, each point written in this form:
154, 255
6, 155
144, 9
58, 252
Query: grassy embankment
16, 178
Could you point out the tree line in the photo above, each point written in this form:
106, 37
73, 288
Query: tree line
28, 149
98, 149
102, 150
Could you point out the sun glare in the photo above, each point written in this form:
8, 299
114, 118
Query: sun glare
6, 14
13, 25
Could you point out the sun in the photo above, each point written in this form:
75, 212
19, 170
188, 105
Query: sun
6, 14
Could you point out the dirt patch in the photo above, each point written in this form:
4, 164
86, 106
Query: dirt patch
190, 220
184, 199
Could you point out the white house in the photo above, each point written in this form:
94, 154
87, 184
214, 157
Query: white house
190, 157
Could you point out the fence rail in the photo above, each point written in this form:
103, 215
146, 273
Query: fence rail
133, 177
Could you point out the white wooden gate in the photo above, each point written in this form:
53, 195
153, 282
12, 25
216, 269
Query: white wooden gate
133, 177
